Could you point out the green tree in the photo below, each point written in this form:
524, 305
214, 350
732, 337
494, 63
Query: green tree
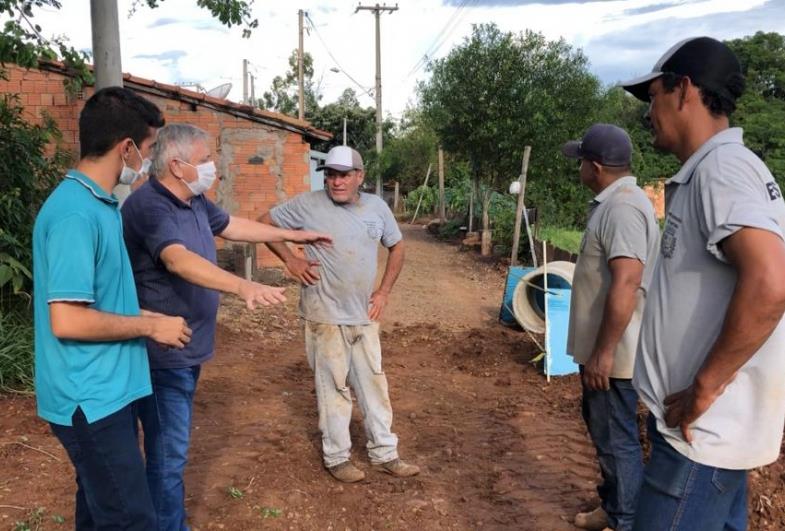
761, 109
283, 96
496, 93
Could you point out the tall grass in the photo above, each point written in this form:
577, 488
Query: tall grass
567, 239
16, 348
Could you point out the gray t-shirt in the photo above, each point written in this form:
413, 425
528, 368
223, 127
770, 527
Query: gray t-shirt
348, 268
621, 224
722, 188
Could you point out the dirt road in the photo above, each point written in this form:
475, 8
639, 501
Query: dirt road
499, 448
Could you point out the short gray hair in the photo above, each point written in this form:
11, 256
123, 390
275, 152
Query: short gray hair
175, 141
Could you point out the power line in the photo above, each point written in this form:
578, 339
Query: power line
365, 90
440, 38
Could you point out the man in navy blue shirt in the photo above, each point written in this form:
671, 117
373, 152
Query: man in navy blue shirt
169, 228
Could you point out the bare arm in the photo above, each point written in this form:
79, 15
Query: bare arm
626, 274
77, 321
391, 271
304, 270
191, 267
755, 309
246, 230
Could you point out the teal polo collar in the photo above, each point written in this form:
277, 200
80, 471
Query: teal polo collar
88, 183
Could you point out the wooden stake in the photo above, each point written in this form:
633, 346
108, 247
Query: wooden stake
545, 298
425, 185
441, 185
519, 210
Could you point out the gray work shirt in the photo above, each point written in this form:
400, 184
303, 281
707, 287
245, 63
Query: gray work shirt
348, 268
722, 188
621, 223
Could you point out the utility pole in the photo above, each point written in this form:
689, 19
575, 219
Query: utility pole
253, 93
107, 64
344, 130
106, 44
245, 80
300, 61
377, 11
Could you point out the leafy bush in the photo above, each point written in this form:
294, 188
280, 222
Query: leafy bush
30, 166
27, 175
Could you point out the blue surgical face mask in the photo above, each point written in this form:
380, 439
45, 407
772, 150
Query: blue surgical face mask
206, 173
129, 175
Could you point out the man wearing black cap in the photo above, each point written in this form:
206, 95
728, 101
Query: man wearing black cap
710, 363
609, 288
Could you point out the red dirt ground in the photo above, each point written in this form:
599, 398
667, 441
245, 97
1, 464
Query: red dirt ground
499, 447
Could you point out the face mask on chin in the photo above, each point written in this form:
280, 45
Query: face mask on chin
128, 175
206, 174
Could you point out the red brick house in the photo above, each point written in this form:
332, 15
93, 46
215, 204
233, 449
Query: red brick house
262, 157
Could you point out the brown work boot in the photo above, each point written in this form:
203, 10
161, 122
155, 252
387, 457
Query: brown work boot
346, 472
399, 469
595, 520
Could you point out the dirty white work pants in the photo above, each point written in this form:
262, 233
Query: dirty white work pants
343, 356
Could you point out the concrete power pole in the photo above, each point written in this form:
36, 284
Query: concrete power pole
377, 11
253, 92
245, 80
300, 61
106, 44
107, 64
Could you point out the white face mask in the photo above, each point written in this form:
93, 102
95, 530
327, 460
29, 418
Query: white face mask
206, 173
129, 175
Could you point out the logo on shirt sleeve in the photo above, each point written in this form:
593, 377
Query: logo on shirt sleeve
774, 190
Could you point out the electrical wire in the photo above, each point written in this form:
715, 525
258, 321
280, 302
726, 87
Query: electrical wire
365, 90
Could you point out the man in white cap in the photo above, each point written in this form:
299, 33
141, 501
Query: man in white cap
711, 358
613, 272
341, 309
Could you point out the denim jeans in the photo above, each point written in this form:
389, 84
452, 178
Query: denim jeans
166, 421
611, 418
111, 493
679, 494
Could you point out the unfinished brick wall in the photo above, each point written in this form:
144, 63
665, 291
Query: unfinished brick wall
656, 193
259, 165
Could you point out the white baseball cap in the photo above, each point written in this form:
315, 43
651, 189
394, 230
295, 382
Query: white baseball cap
342, 158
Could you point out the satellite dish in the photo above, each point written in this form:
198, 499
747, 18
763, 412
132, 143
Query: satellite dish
221, 91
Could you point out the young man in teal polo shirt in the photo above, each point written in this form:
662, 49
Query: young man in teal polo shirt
90, 357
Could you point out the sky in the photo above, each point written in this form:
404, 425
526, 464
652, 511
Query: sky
181, 43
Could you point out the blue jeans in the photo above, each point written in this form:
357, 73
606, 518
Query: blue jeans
111, 489
611, 418
679, 494
166, 420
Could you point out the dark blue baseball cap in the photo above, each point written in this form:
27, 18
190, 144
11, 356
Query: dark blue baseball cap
605, 144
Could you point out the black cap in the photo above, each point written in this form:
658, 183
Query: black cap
707, 62
604, 144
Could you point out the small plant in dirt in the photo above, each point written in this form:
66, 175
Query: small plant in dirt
235, 493
33, 522
269, 512
59, 520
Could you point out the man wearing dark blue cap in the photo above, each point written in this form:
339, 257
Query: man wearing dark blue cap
710, 362
609, 289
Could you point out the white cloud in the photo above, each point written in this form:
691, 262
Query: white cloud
619, 36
